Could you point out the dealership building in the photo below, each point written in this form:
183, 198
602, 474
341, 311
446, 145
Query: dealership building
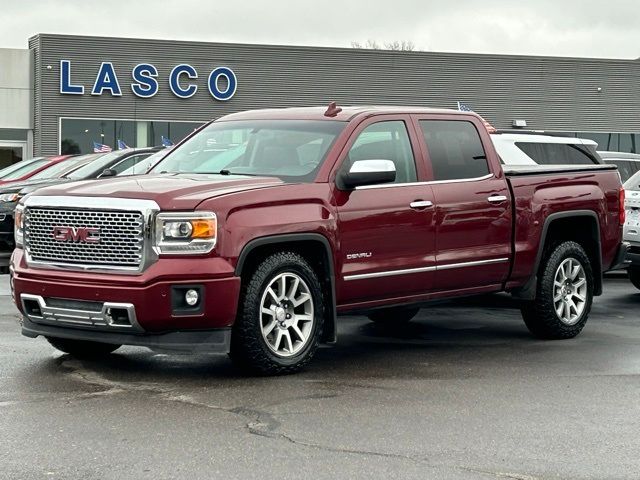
63, 92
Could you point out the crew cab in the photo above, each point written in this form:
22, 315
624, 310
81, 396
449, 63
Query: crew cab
255, 233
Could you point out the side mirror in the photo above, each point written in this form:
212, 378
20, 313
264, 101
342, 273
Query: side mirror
108, 172
368, 172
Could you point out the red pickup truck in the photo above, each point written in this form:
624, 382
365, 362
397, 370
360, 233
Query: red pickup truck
257, 231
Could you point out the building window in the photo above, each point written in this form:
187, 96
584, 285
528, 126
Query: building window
77, 135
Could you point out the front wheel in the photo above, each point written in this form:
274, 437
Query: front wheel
280, 316
564, 294
82, 348
634, 276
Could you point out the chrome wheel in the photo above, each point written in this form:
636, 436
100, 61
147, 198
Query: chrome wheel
570, 291
286, 314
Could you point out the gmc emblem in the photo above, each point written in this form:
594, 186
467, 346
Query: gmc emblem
76, 234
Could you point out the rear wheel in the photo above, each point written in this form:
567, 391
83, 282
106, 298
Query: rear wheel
82, 348
564, 294
280, 316
393, 315
634, 276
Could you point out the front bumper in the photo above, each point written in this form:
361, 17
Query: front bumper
130, 310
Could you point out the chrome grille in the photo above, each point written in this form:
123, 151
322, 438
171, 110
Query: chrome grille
121, 237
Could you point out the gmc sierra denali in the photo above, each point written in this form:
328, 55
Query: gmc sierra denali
257, 231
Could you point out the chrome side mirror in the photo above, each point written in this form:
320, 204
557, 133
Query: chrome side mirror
368, 172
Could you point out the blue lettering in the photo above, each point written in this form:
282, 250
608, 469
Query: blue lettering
65, 80
145, 75
106, 80
174, 80
232, 83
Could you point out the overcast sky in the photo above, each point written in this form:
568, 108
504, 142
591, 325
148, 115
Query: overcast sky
587, 28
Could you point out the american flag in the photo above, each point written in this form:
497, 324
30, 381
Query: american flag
101, 148
122, 145
463, 107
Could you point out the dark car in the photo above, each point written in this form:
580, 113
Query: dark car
84, 167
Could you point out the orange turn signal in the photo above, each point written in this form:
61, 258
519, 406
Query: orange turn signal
204, 228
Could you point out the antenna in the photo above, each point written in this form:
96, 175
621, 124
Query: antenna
333, 110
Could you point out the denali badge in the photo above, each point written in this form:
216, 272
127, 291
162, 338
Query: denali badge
76, 234
353, 256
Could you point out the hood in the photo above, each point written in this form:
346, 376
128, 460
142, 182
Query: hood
169, 191
30, 185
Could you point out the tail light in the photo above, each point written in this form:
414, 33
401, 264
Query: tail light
622, 213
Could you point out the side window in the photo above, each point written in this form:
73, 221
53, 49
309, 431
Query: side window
625, 168
128, 163
386, 141
556, 153
455, 149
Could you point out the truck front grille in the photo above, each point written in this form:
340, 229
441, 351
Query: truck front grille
116, 240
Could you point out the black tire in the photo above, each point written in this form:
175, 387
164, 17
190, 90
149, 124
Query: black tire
540, 315
82, 348
634, 276
393, 315
249, 349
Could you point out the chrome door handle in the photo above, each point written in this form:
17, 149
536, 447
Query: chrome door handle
421, 204
497, 198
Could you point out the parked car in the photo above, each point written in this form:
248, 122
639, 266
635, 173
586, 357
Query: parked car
26, 169
144, 165
627, 163
535, 148
85, 167
369, 210
632, 227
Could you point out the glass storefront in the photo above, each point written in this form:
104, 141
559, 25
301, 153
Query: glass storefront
77, 135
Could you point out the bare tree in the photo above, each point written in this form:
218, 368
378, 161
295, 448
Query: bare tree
397, 45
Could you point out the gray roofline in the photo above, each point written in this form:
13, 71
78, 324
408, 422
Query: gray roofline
340, 49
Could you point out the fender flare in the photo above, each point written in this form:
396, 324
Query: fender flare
329, 334
528, 290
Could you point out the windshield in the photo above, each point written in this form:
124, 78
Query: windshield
292, 150
60, 168
97, 166
26, 169
143, 165
18, 165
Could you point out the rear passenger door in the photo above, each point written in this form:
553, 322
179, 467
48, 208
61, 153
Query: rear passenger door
472, 203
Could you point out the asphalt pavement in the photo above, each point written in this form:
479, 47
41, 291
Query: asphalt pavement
463, 392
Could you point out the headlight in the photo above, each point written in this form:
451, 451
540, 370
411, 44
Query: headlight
10, 197
188, 233
19, 225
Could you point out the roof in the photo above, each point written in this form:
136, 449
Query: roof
620, 155
317, 113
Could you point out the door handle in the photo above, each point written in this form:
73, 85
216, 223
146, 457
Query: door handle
418, 204
497, 198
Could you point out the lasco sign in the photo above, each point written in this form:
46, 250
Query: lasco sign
145, 81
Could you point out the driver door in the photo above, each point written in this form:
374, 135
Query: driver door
387, 233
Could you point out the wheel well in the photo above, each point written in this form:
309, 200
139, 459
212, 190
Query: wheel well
315, 251
584, 230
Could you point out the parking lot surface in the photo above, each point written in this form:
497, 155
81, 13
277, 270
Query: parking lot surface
462, 392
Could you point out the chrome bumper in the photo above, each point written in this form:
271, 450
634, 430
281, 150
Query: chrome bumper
107, 316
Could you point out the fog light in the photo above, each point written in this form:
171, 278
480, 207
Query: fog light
191, 297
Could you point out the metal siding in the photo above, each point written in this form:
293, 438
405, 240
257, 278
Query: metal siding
550, 93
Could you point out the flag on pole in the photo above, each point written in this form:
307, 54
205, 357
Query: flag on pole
122, 145
166, 142
463, 107
100, 148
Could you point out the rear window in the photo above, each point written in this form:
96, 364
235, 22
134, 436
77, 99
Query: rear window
558, 153
455, 149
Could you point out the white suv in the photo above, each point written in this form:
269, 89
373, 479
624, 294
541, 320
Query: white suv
540, 149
